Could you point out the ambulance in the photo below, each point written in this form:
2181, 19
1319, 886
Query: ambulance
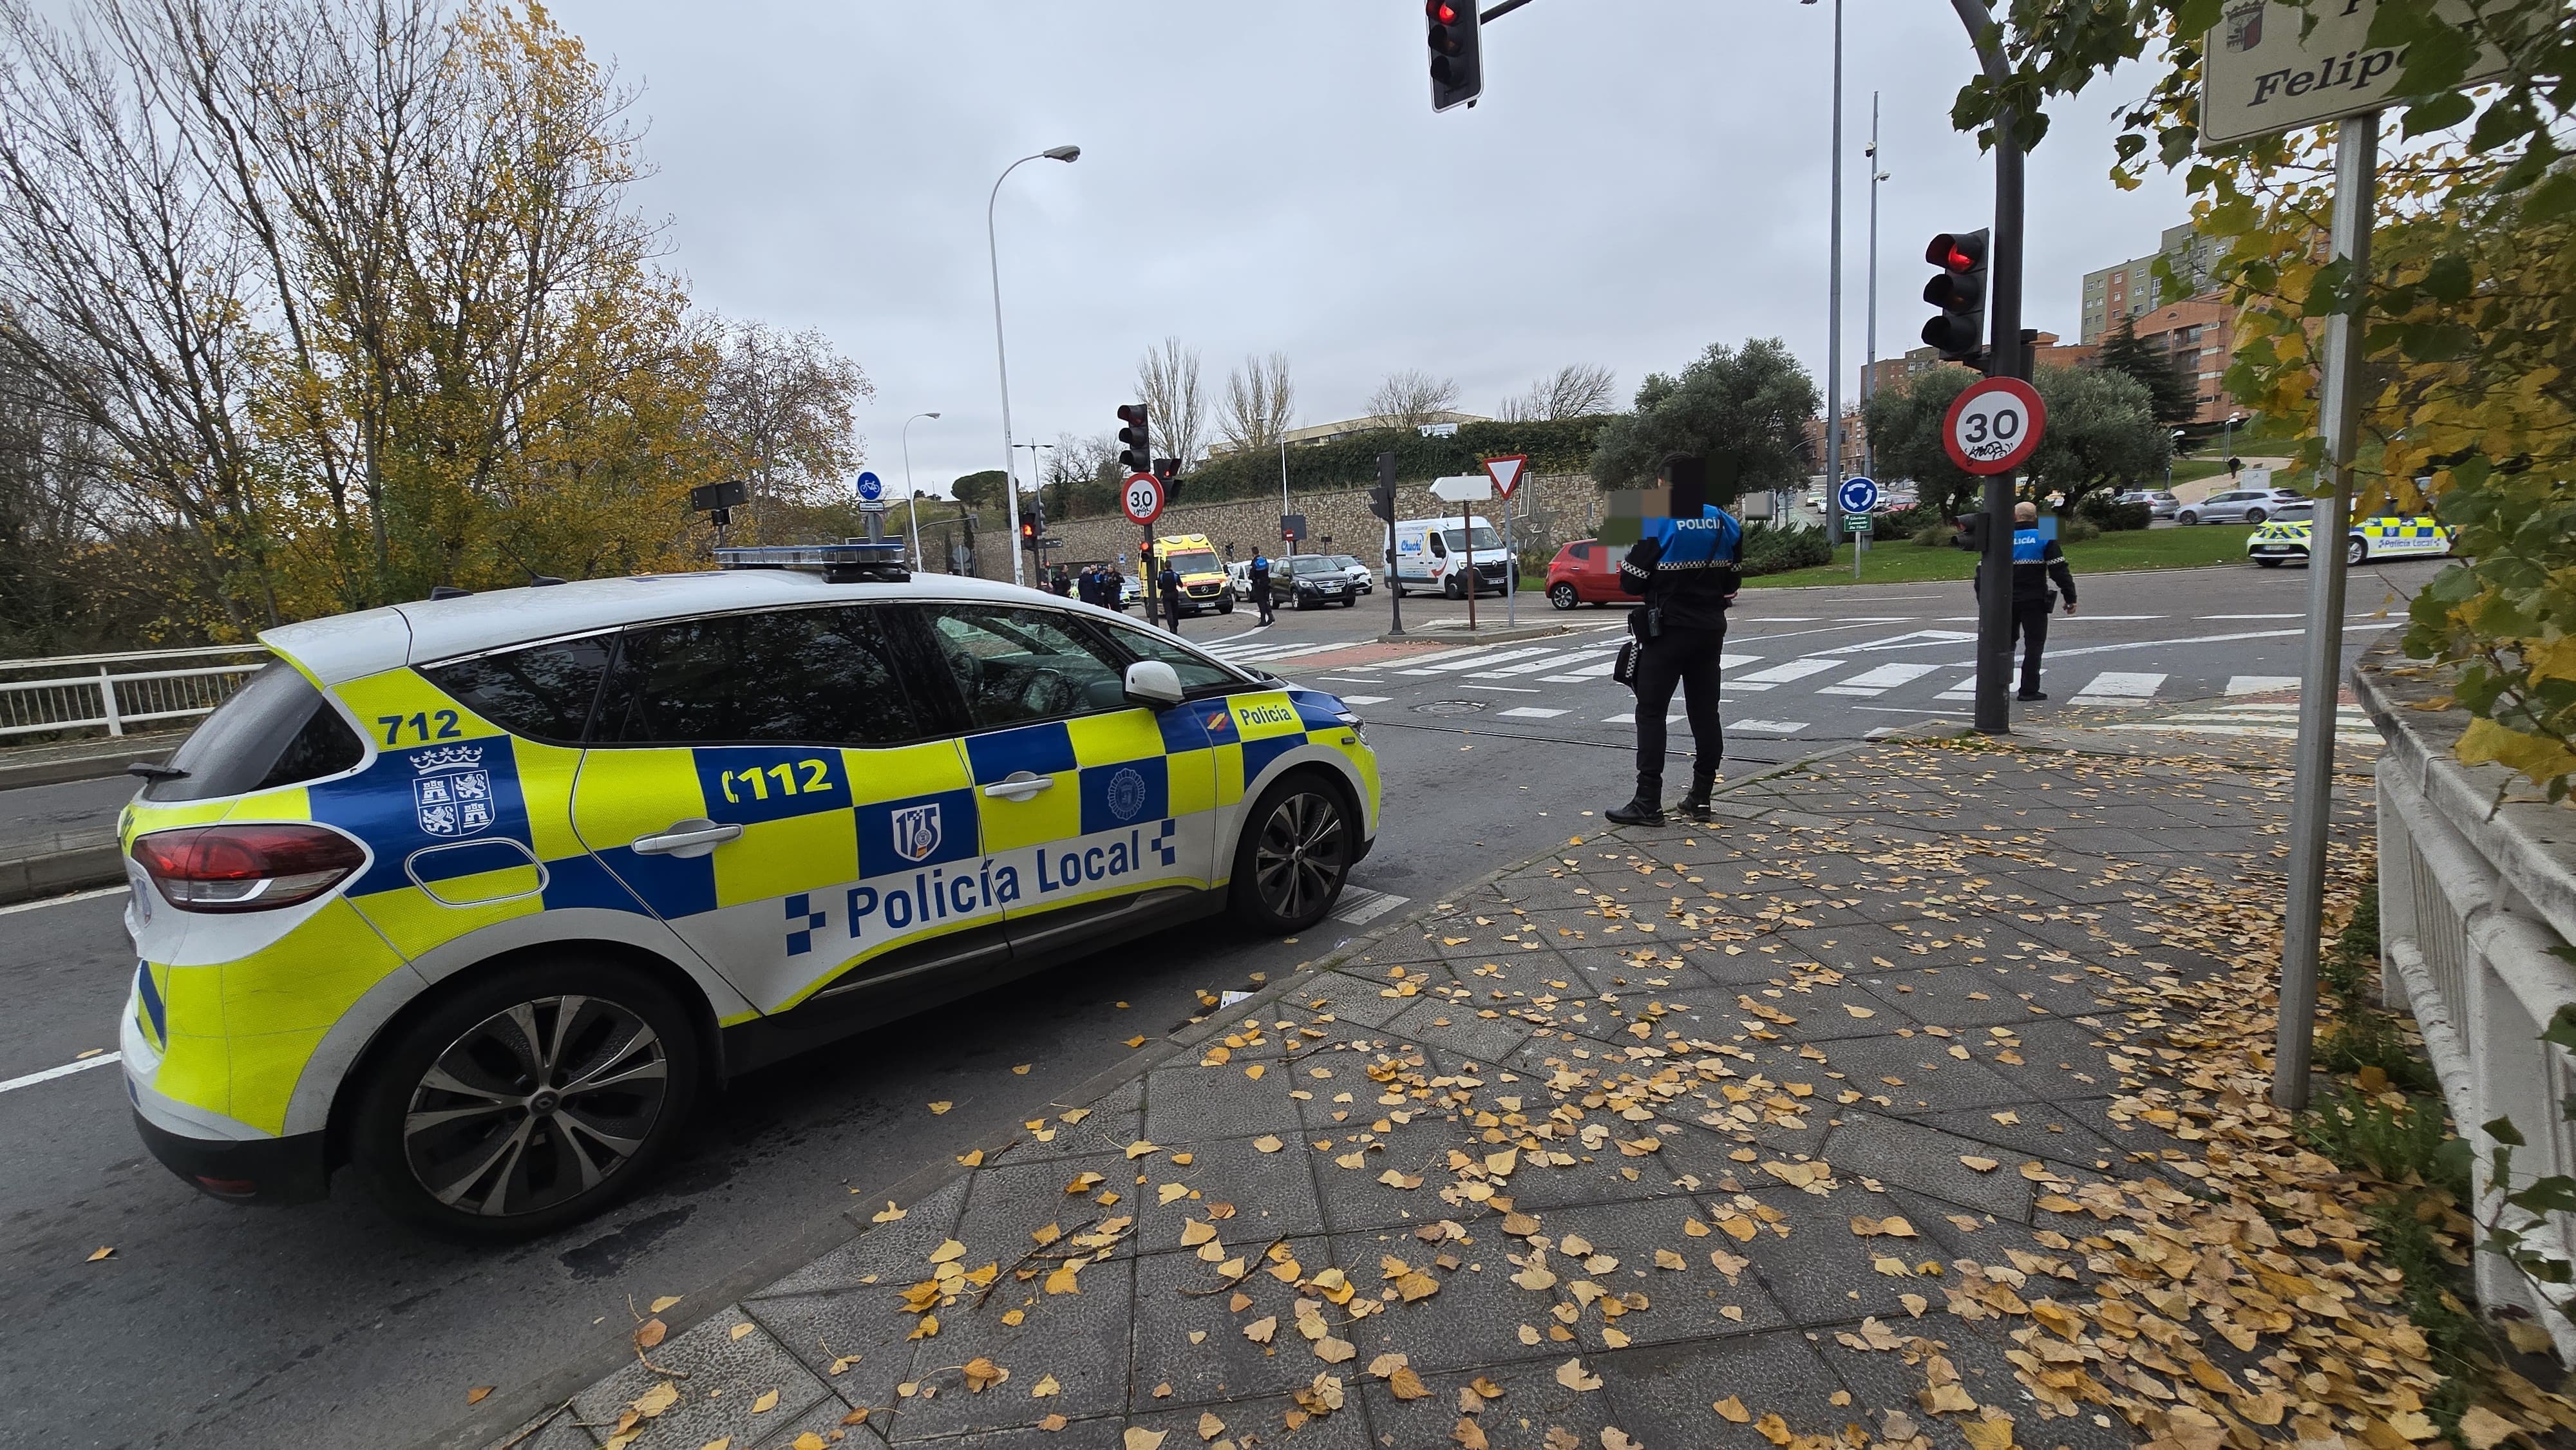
476, 896
1204, 583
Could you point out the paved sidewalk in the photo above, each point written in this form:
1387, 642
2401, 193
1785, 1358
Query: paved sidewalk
1842, 1121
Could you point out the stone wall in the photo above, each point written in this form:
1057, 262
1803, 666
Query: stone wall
1564, 506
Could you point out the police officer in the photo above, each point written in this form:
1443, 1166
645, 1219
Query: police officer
1169, 581
1684, 566
1260, 576
2036, 561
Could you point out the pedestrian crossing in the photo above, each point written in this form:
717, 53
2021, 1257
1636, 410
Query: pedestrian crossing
1845, 674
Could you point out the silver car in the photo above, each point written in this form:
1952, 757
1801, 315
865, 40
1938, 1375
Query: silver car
2239, 506
2160, 502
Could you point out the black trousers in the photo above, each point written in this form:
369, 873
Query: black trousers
2030, 630
1688, 658
1261, 598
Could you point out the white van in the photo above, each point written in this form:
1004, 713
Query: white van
1434, 554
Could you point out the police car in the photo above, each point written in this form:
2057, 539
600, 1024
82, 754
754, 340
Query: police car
2286, 537
477, 895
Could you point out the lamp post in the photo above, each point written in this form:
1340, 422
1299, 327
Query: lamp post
2227, 443
2169, 458
1834, 305
1869, 370
913, 508
1001, 359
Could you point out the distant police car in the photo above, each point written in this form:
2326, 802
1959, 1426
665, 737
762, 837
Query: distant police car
2289, 534
478, 894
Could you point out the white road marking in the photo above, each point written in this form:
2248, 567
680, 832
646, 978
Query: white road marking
1783, 674
1452, 665
2260, 684
62, 900
1546, 662
1528, 712
1351, 679
2118, 685
1505, 689
1911, 639
66, 1070
1629, 717
1878, 681
2248, 616
1588, 672
2103, 649
1360, 906
1366, 699
1965, 690
1767, 727
1729, 662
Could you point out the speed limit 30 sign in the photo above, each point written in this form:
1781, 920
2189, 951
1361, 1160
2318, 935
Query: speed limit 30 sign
1143, 499
1995, 425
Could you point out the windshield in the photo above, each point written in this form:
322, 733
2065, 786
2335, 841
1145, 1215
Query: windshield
1343, 561
1316, 564
1195, 561
1486, 539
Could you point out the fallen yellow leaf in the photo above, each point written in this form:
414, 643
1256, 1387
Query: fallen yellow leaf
667, 1300
937, 1108
766, 1402
1732, 1408
1574, 1376
892, 1214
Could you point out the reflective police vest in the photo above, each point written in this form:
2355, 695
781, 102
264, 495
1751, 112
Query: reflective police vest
2029, 547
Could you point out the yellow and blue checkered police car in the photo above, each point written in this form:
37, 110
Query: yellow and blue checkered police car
476, 895
2286, 537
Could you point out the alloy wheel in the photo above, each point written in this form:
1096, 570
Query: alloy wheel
1301, 855
536, 1104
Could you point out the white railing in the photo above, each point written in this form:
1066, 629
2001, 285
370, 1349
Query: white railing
2476, 899
116, 692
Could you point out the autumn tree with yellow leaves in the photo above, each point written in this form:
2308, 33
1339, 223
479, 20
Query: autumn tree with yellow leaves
2469, 383
353, 300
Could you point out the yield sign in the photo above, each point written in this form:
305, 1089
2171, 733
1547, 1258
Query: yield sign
1506, 472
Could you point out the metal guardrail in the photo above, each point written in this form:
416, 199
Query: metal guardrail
110, 694
2476, 900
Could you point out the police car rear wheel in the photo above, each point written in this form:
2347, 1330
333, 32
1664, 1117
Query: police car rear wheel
2356, 551
1294, 856
533, 1099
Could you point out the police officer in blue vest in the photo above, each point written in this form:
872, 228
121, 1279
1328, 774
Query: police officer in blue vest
1684, 566
1260, 578
2036, 561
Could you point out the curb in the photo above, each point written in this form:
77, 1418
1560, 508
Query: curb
505, 1414
100, 766
55, 873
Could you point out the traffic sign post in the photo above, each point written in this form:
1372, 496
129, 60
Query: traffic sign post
1858, 495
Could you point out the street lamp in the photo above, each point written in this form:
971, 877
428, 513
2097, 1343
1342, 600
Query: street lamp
1834, 305
913, 508
1001, 359
2227, 443
1869, 370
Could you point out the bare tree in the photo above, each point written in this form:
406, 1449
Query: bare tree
1260, 402
785, 406
1411, 398
1577, 390
1167, 377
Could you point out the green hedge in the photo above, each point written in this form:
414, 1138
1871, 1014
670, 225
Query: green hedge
2113, 517
1562, 446
1777, 551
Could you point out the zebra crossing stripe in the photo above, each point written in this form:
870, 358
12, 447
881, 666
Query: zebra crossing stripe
2260, 684
1359, 906
1785, 674
2119, 687
1451, 666
1366, 699
1527, 712
1767, 727
1878, 681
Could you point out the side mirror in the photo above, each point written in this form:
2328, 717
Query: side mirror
1153, 684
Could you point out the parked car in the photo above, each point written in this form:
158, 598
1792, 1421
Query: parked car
1361, 577
2238, 506
1238, 578
1586, 572
1309, 580
2160, 502
2291, 534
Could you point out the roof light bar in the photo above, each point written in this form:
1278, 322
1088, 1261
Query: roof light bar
855, 562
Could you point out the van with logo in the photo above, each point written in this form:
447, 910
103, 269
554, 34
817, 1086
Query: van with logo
476, 896
1436, 554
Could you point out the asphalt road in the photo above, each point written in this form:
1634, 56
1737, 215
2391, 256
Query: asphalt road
216, 1325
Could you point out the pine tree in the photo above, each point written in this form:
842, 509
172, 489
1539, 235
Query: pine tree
2174, 395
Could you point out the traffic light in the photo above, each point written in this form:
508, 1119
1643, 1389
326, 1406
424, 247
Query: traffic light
1166, 471
1028, 530
1382, 497
1457, 61
1959, 290
1135, 439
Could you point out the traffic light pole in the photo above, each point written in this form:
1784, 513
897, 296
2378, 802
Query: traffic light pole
1394, 581
2004, 359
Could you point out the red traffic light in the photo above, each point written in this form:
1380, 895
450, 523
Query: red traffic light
1441, 12
1957, 251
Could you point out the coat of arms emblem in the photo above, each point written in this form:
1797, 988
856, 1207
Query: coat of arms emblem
916, 831
1126, 793
2244, 25
452, 795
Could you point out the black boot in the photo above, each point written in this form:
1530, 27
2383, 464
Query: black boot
1647, 809
1694, 806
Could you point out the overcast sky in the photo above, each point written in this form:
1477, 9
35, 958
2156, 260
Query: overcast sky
1259, 177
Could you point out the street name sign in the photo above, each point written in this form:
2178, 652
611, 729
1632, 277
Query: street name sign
1858, 494
1142, 499
2260, 76
1506, 472
1994, 426
1856, 523
1463, 488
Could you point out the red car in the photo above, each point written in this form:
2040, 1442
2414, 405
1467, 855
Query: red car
1586, 572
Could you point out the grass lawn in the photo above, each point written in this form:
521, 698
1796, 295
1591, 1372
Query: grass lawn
1910, 563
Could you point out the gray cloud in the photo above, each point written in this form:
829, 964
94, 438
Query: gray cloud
1270, 176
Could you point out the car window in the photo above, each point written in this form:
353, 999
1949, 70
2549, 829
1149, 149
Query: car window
1580, 551
275, 731
543, 692
1016, 666
788, 676
1196, 670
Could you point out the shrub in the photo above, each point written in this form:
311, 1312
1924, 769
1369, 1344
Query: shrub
1777, 551
2113, 517
2076, 529
1904, 523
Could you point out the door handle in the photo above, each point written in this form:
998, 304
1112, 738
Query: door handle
1019, 785
687, 839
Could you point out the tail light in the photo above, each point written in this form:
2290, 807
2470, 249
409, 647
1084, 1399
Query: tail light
246, 868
